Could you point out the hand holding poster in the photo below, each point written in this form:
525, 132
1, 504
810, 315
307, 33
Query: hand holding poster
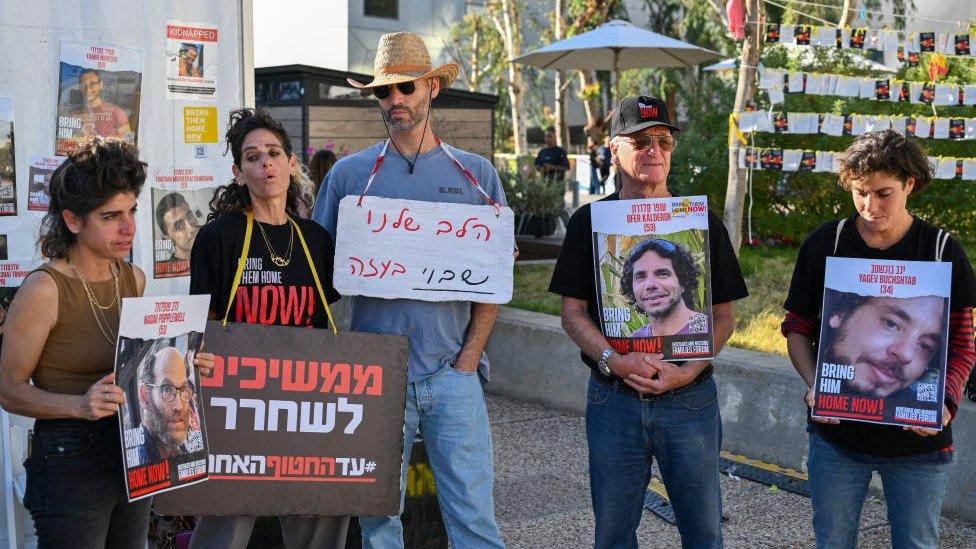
883, 341
300, 422
161, 423
652, 271
98, 94
430, 251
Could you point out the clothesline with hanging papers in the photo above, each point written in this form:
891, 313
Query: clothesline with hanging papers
853, 124
864, 38
778, 81
864, 12
792, 160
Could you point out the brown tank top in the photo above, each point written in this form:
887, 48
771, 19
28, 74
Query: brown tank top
76, 354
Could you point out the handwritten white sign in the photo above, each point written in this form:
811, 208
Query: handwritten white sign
431, 251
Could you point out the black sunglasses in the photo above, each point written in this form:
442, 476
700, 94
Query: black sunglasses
406, 88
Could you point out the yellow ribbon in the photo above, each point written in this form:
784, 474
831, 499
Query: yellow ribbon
734, 131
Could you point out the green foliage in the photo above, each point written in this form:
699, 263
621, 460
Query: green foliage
530, 193
788, 205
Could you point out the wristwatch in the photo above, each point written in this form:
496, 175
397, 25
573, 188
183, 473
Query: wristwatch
604, 363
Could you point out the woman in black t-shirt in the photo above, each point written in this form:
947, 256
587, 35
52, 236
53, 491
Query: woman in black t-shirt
881, 169
276, 286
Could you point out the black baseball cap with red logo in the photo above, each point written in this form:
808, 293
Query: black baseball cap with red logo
636, 113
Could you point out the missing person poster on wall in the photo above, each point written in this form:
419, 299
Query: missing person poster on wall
39, 181
180, 205
883, 341
162, 428
191, 60
8, 164
99, 93
652, 271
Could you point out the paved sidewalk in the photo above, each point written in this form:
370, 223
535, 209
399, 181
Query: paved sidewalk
542, 494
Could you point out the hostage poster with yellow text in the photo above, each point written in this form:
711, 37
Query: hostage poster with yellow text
651, 263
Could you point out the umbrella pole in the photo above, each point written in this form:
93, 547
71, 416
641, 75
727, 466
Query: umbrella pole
616, 77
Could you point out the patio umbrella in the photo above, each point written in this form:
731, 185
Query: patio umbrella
615, 46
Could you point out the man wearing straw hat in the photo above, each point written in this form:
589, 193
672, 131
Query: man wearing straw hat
447, 363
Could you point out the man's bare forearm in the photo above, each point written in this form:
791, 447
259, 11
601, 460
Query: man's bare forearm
584, 332
483, 317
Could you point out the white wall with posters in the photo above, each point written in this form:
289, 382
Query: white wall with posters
165, 76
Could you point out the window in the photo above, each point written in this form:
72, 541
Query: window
290, 91
387, 9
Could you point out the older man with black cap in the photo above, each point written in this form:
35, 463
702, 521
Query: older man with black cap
447, 363
640, 407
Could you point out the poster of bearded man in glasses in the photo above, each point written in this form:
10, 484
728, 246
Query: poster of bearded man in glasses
161, 422
651, 262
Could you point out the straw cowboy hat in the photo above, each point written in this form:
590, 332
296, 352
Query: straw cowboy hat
403, 57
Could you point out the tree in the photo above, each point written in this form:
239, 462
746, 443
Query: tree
735, 192
475, 45
505, 15
586, 15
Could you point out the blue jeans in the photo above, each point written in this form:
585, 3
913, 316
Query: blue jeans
76, 490
838, 483
624, 434
448, 408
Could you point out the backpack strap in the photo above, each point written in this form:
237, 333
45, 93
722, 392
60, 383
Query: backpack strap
840, 227
940, 243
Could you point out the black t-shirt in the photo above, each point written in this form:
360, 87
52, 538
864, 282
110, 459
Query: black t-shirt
806, 299
574, 272
556, 156
268, 294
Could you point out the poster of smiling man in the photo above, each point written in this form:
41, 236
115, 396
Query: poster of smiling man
652, 273
883, 341
99, 93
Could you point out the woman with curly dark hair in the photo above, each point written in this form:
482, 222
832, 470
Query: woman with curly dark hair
882, 170
267, 193
58, 360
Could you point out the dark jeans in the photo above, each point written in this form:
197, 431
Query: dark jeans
76, 489
683, 432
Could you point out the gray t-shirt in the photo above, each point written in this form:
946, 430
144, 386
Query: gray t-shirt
436, 330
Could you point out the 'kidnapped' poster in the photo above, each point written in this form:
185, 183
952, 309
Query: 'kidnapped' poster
652, 271
191, 60
162, 428
883, 341
99, 93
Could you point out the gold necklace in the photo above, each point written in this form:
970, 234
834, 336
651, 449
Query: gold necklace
275, 258
96, 308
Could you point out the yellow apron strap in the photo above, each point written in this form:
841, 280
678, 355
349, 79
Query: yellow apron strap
240, 265
315, 275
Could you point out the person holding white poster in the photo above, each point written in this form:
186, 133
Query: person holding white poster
286, 256
447, 338
60, 337
637, 377
880, 346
